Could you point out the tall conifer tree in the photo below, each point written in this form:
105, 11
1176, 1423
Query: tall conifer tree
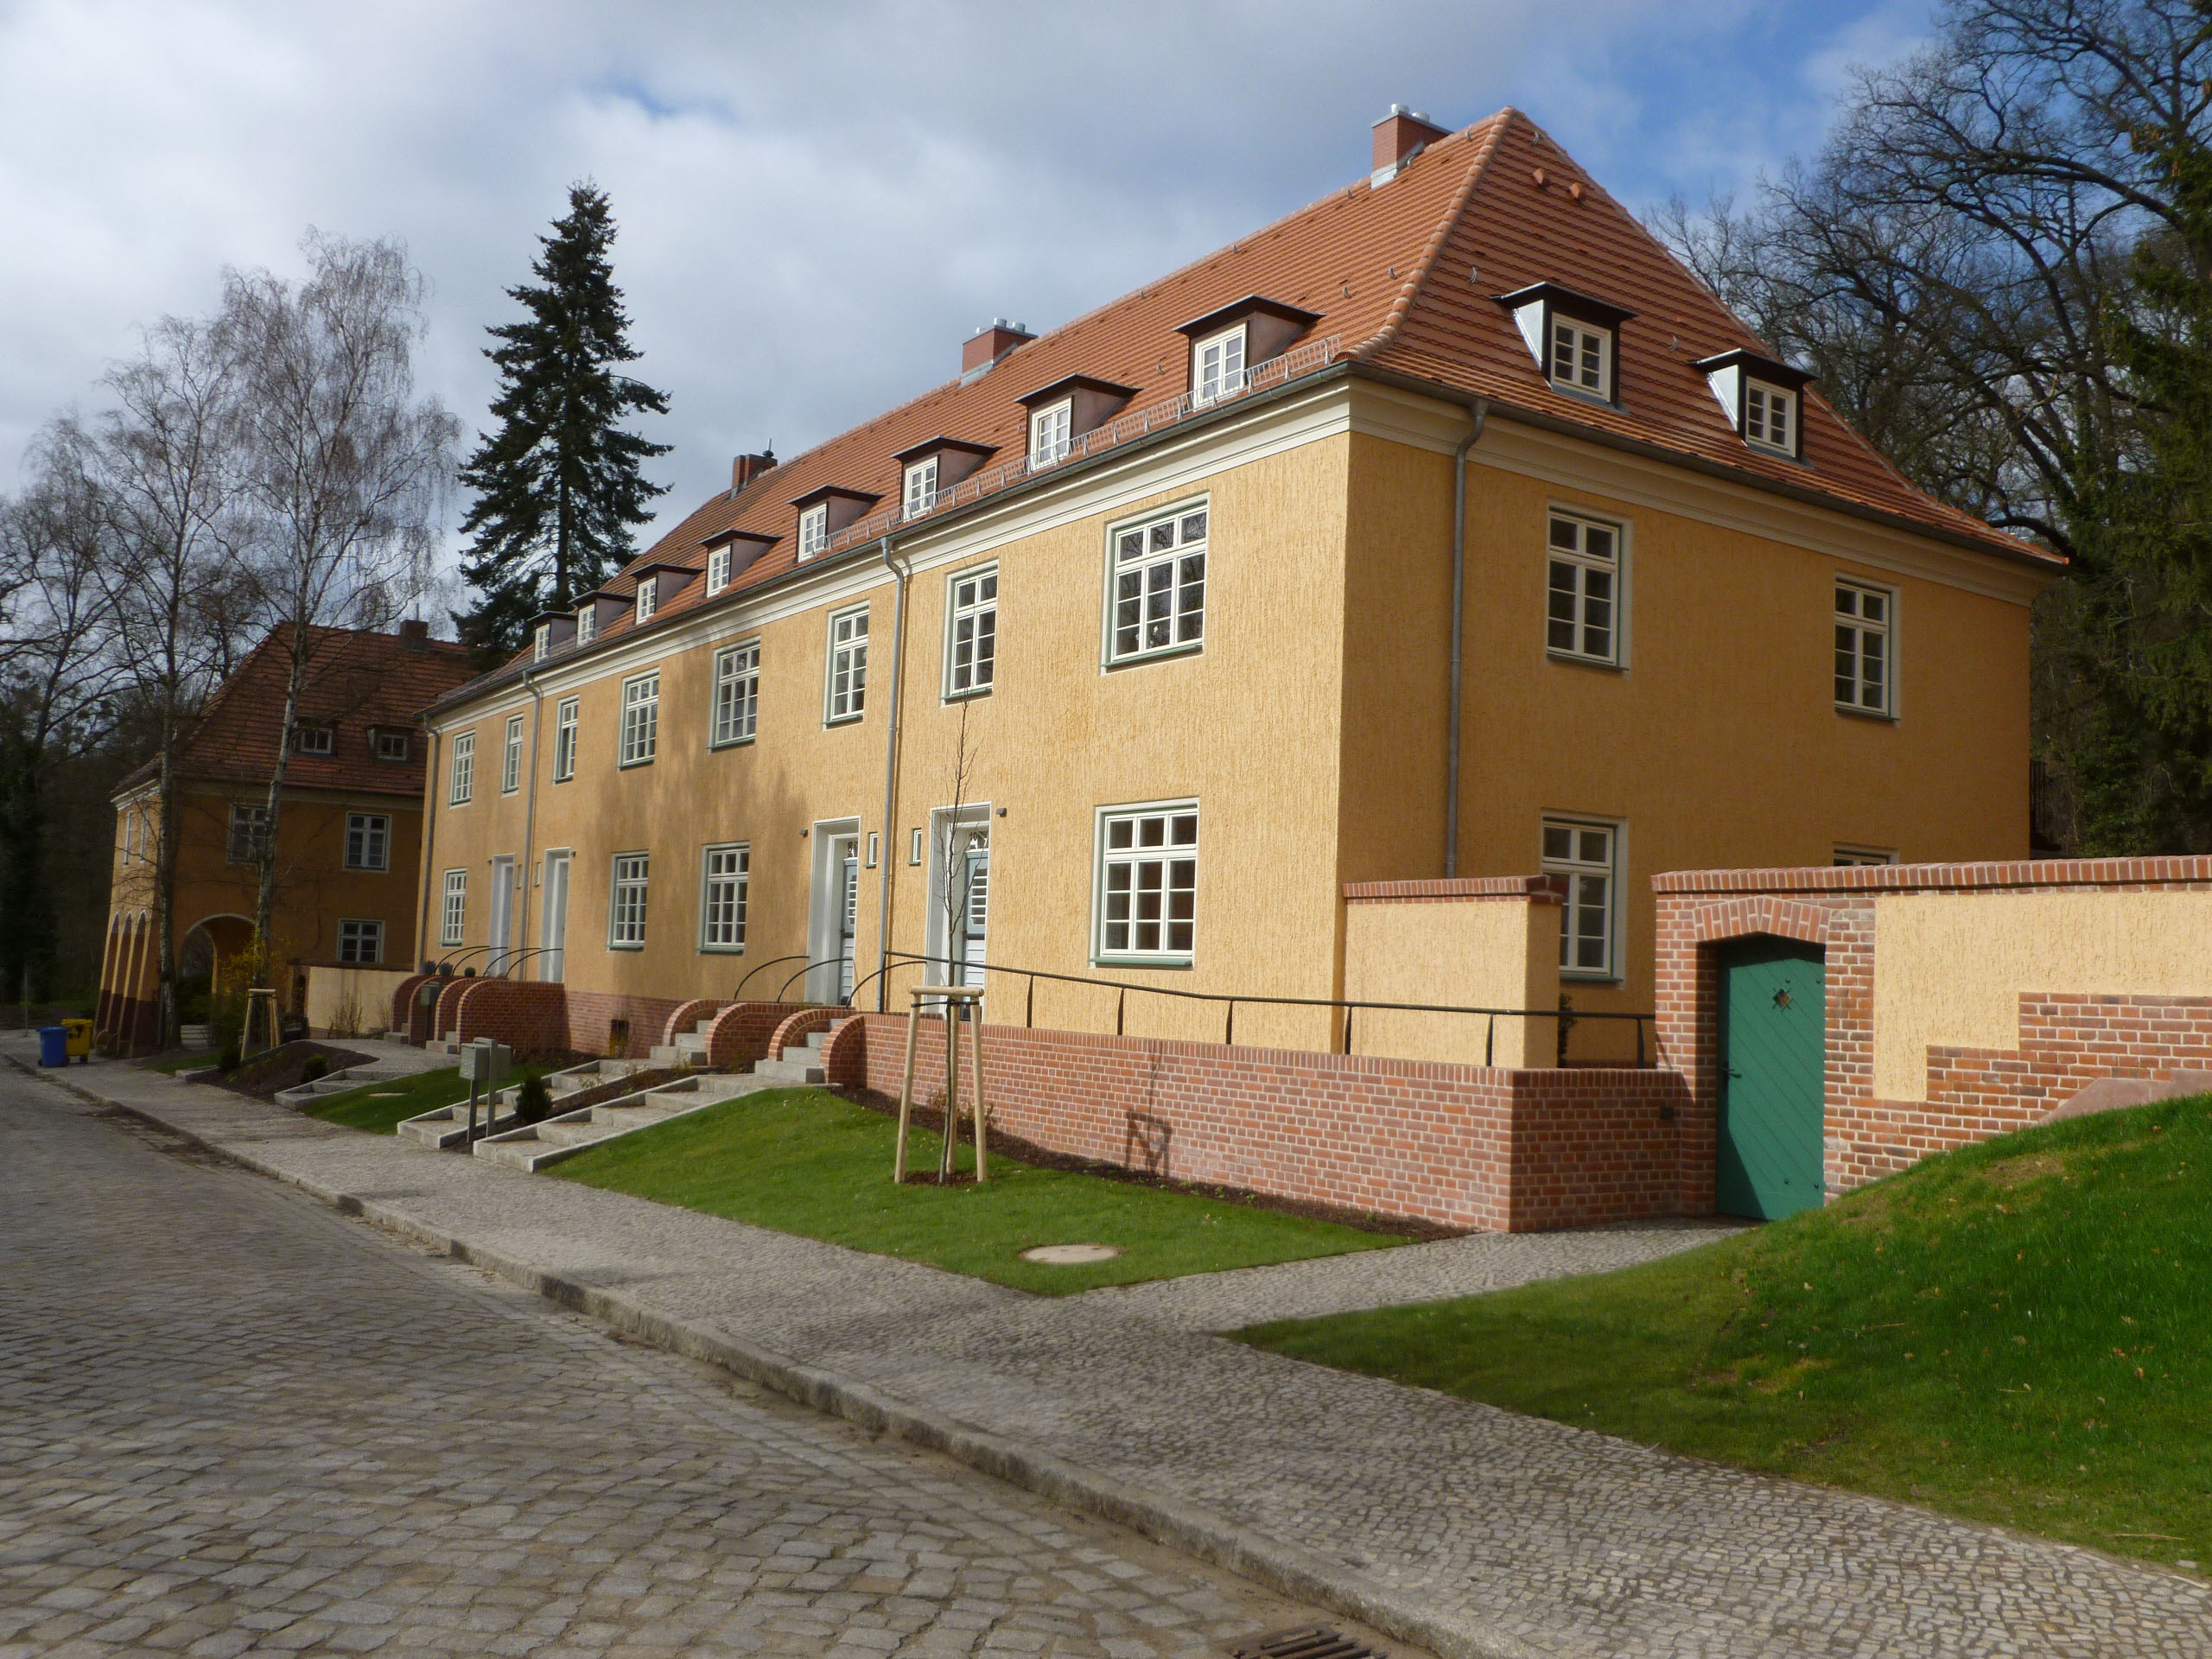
557, 486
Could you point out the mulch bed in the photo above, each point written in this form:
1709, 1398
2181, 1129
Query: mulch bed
615, 1090
1025, 1152
267, 1075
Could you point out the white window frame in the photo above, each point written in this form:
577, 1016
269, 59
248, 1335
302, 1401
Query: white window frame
394, 745
844, 682
365, 932
718, 560
1185, 634
736, 876
914, 846
1578, 337
640, 734
1845, 855
1860, 628
1167, 852
648, 596
918, 492
253, 820
587, 624
737, 710
565, 720
371, 832
1605, 906
541, 638
1596, 590
1051, 433
511, 757
1218, 368
462, 770
452, 908
629, 890
1770, 415
814, 531
314, 740
974, 674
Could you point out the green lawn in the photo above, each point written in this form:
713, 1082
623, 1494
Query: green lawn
802, 1160
2019, 1333
381, 1108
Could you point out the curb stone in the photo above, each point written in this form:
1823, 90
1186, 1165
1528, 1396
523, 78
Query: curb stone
1276, 1563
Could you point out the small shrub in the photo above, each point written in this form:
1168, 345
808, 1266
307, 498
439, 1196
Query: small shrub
315, 1069
533, 1100
228, 1059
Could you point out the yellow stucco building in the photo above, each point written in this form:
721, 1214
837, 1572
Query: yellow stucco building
1139, 638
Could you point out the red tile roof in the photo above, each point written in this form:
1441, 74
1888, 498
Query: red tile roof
1403, 277
358, 681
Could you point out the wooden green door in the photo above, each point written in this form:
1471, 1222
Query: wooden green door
1773, 1045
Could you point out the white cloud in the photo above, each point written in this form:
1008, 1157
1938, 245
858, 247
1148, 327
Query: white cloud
818, 201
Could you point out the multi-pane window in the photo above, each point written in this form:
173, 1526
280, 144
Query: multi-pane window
564, 740
972, 649
1863, 855
1581, 618
921, 487
1769, 414
392, 745
1159, 584
314, 740
511, 757
737, 693
248, 832
368, 841
360, 941
1583, 853
718, 568
727, 873
543, 639
1049, 430
1148, 882
813, 530
453, 914
640, 719
587, 624
1582, 356
1217, 366
647, 594
626, 905
1863, 658
464, 769
847, 689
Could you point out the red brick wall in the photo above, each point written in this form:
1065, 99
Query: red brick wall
2067, 1042
741, 1032
403, 1007
793, 1029
525, 1015
685, 1015
1466, 1146
592, 1014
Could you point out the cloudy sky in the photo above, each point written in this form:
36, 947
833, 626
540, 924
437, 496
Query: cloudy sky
817, 200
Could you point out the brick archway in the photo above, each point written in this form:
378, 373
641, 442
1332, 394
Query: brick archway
1736, 919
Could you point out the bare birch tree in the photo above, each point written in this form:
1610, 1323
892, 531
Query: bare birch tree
347, 470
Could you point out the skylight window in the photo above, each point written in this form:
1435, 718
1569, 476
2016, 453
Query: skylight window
1217, 366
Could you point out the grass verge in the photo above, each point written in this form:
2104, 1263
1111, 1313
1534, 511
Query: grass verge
381, 1108
2018, 1333
802, 1160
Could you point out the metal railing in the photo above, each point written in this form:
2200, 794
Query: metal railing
1123, 987
738, 995
1303, 358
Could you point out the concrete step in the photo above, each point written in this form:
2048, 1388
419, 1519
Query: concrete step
534, 1147
788, 1070
448, 1125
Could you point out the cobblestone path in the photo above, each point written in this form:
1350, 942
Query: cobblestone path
233, 1421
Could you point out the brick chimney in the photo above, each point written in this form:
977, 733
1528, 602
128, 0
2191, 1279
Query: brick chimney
414, 634
1397, 136
746, 468
988, 344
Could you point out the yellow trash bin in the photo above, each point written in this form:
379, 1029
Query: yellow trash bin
78, 1042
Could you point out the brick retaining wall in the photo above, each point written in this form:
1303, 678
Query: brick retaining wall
1472, 1147
741, 1032
527, 1016
592, 1015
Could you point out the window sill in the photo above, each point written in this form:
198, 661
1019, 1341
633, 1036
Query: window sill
1576, 659
1587, 976
969, 696
844, 720
638, 946
1137, 659
1172, 964
568, 778
632, 765
1884, 716
722, 950
730, 743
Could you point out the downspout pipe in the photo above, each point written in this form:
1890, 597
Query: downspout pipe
902, 574
522, 875
1478, 409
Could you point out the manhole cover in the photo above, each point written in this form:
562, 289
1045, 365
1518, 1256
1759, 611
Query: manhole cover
1069, 1255
1308, 1641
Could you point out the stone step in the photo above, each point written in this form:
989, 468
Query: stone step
556, 1138
788, 1069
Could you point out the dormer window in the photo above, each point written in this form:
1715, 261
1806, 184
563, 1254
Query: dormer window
718, 568
1049, 432
313, 740
921, 487
1217, 366
814, 531
646, 590
1764, 400
544, 640
587, 624
392, 745
1574, 339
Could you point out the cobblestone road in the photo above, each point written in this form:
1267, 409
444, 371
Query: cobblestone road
231, 1420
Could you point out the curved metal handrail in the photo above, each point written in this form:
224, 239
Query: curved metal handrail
516, 959
826, 962
738, 995
445, 963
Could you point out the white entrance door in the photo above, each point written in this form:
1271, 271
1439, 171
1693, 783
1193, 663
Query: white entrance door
845, 859
973, 924
501, 938
553, 918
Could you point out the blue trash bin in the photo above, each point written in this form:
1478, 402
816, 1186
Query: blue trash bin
52, 1045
